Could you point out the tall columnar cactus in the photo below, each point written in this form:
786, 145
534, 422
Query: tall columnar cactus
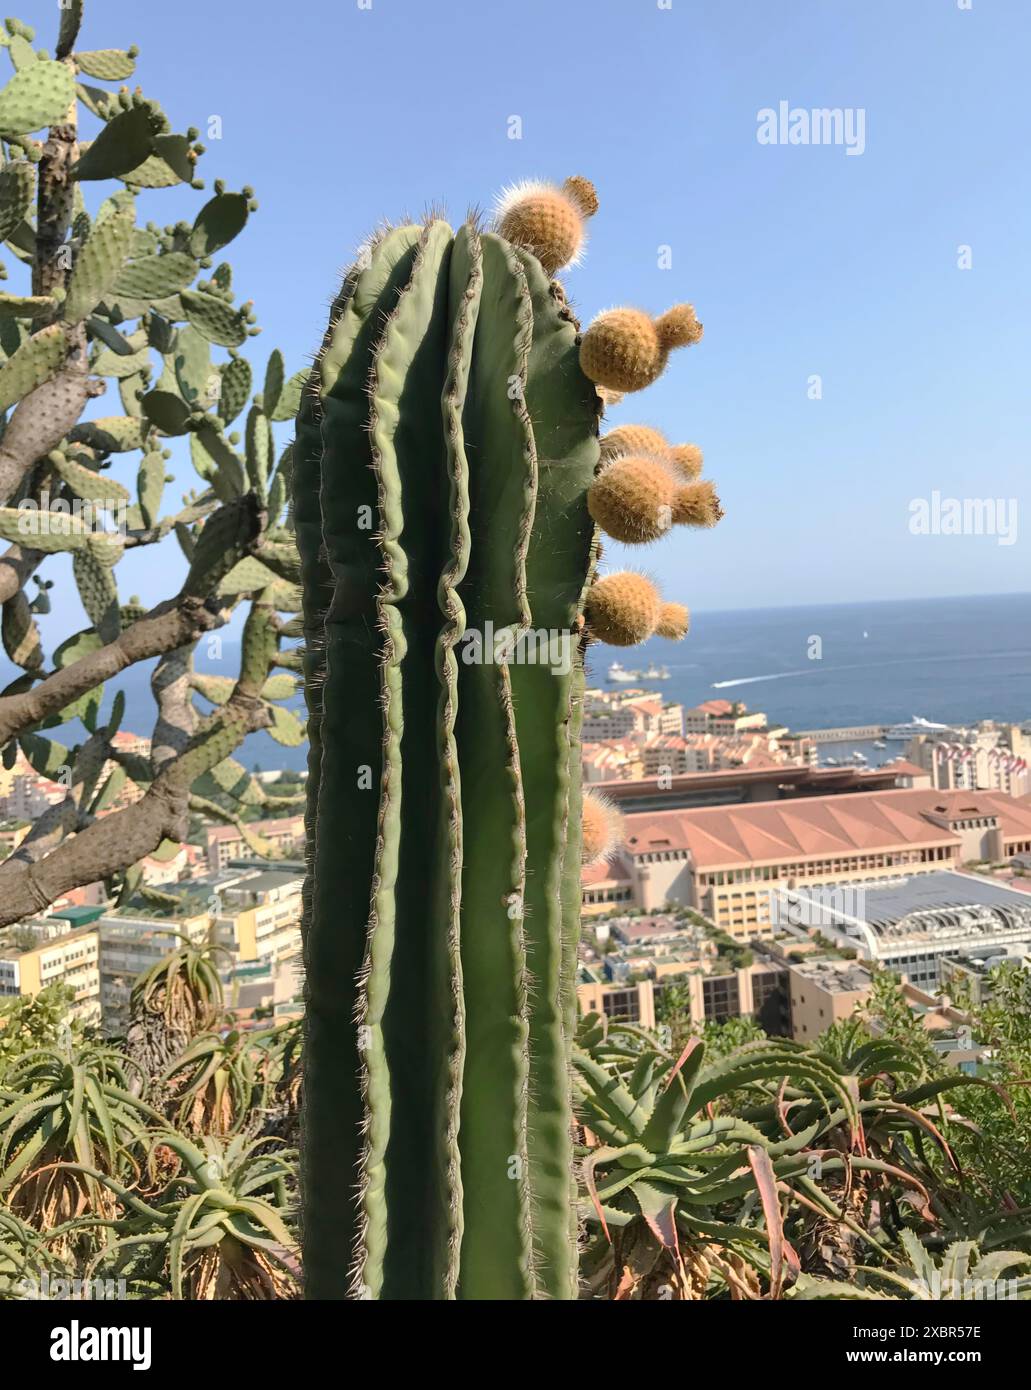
447, 446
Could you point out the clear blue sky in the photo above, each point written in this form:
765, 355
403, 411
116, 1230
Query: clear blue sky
800, 260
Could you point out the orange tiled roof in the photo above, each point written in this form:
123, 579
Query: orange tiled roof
815, 826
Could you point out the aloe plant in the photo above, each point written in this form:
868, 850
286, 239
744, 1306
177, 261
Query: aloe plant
58, 1107
212, 1227
447, 450
962, 1274
177, 998
214, 1086
791, 1159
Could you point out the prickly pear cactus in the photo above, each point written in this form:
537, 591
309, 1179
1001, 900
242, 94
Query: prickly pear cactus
447, 475
135, 311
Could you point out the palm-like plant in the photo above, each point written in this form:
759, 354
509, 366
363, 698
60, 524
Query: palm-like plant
214, 1086
178, 997
739, 1174
278, 1064
681, 1197
24, 1257
962, 1274
59, 1108
215, 1229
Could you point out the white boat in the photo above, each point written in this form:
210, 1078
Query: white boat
656, 673
899, 733
618, 673
879, 743
831, 762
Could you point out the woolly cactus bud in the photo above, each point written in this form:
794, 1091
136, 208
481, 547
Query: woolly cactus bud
678, 327
623, 609
626, 350
696, 504
674, 621
603, 830
686, 459
633, 439
634, 498
548, 220
643, 439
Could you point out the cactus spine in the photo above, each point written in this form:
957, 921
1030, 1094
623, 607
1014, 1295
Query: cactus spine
446, 446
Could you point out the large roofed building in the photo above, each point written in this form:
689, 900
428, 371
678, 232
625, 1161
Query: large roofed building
725, 860
909, 926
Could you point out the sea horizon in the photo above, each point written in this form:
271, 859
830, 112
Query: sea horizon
955, 660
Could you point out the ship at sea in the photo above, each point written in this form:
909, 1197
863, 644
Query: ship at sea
900, 733
656, 673
618, 673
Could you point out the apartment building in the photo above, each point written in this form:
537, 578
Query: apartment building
616, 714
756, 991
130, 943
722, 718
224, 842
823, 992
985, 757
725, 861
259, 913
69, 958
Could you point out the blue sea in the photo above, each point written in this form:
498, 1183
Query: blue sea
953, 660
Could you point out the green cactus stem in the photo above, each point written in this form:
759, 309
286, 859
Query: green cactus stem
446, 443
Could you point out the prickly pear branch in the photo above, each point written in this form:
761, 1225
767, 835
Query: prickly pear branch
29, 883
107, 293
170, 625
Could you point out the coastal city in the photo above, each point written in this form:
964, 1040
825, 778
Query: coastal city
758, 873
515, 724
